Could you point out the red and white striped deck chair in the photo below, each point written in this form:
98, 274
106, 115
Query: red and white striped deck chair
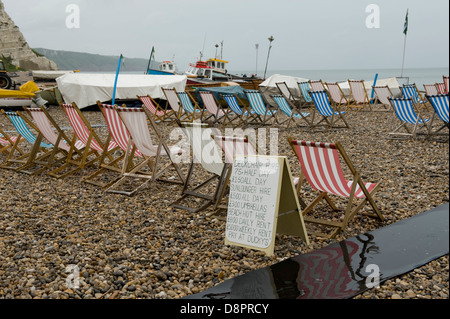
317, 85
139, 122
93, 151
440, 87
175, 103
337, 95
159, 114
213, 108
430, 89
383, 94
7, 142
51, 131
321, 166
358, 95
446, 84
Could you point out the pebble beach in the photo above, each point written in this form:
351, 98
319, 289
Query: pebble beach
141, 248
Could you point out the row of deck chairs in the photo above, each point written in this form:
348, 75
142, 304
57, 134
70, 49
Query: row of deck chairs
130, 141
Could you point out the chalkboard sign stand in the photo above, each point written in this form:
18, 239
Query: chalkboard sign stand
285, 214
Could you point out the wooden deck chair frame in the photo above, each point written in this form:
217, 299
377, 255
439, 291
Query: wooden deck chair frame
337, 95
159, 114
408, 114
92, 152
7, 142
440, 87
288, 108
242, 114
214, 170
411, 91
260, 108
190, 106
358, 98
446, 83
430, 89
383, 93
325, 110
317, 85
440, 104
213, 107
51, 131
151, 154
288, 94
320, 166
38, 151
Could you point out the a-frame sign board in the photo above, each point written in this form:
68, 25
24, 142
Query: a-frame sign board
262, 202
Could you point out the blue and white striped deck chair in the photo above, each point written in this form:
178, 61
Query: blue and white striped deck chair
324, 108
242, 115
37, 145
305, 89
440, 104
285, 108
405, 113
410, 91
193, 112
259, 107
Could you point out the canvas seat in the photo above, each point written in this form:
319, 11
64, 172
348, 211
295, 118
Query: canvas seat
289, 94
287, 109
383, 94
260, 108
8, 142
337, 95
305, 89
359, 98
241, 113
317, 85
411, 122
440, 104
213, 108
328, 115
321, 167
410, 91
159, 114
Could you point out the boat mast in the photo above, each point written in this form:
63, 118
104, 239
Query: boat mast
150, 60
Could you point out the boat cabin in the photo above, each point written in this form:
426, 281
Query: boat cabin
199, 70
217, 65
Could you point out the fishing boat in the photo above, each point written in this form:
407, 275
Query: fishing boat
14, 98
199, 70
162, 68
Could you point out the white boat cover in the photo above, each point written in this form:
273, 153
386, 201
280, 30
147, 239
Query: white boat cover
87, 89
269, 87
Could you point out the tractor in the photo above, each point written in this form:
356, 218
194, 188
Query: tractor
5, 80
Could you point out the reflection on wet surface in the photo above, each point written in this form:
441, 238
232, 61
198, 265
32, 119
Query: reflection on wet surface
348, 268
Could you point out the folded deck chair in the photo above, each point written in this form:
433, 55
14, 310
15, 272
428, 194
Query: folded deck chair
260, 108
213, 108
430, 89
242, 115
317, 85
288, 94
207, 157
191, 108
38, 150
327, 113
446, 84
337, 95
321, 167
440, 104
383, 94
139, 123
358, 96
440, 88
411, 122
7, 142
286, 108
412, 92
159, 114
51, 131
305, 89
93, 150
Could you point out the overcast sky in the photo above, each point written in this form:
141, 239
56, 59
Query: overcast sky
320, 34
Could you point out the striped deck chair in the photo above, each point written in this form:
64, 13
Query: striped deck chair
440, 88
305, 89
191, 108
213, 108
93, 151
410, 91
406, 114
287, 109
321, 167
383, 94
358, 96
211, 164
430, 89
337, 95
39, 150
241, 113
259, 107
159, 114
173, 102
288, 94
440, 104
446, 84
317, 85
51, 131
139, 123
325, 110
7, 142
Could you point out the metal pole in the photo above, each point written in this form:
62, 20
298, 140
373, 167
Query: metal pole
404, 51
257, 47
268, 54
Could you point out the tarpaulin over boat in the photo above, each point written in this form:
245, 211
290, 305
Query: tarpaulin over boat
392, 83
269, 87
217, 90
87, 89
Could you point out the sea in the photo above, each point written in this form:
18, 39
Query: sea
419, 76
